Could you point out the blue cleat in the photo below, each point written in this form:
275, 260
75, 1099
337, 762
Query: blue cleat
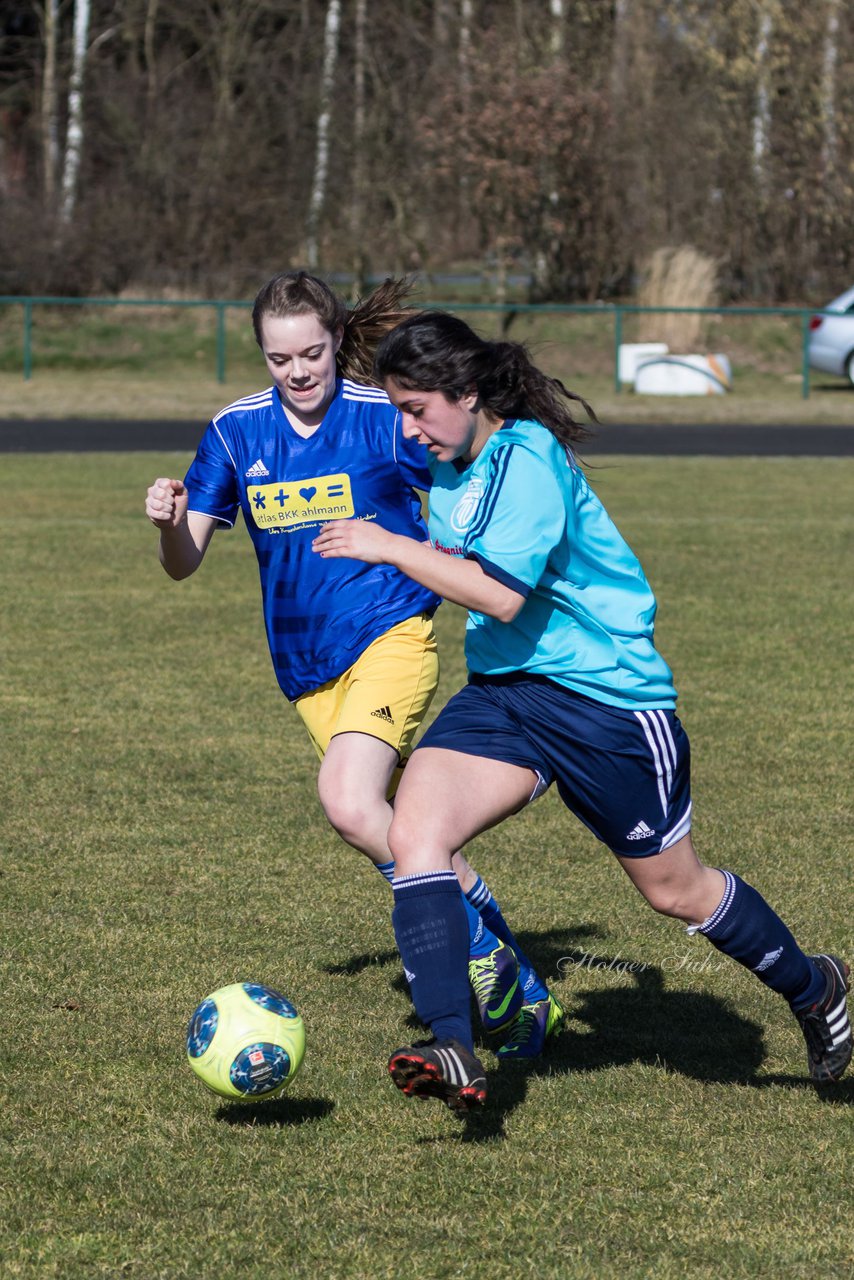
495, 982
535, 1024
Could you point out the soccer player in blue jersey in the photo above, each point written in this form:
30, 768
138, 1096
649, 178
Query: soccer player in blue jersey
565, 685
353, 649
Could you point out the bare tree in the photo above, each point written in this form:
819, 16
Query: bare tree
74, 135
828, 85
324, 115
357, 205
49, 96
556, 40
762, 110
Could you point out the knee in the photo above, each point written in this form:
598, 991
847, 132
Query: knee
670, 900
692, 900
348, 814
416, 849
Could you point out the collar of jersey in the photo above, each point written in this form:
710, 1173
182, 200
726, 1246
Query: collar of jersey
460, 466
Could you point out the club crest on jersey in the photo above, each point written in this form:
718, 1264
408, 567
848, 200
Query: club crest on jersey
463, 512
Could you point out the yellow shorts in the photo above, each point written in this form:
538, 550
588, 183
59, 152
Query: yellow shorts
385, 693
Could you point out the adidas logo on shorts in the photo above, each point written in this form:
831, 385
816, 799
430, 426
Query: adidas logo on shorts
384, 713
640, 832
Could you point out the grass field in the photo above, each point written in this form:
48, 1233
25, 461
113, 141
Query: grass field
124, 362
161, 836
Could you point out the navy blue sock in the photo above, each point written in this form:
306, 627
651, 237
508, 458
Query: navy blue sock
432, 934
744, 927
480, 897
482, 939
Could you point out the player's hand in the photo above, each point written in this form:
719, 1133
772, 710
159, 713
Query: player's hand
355, 540
166, 503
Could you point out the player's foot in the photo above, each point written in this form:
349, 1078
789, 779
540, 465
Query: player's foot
535, 1024
495, 982
825, 1024
442, 1069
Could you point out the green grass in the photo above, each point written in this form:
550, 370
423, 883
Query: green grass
125, 362
160, 836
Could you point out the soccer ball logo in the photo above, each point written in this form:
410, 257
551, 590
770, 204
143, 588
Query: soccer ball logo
245, 1041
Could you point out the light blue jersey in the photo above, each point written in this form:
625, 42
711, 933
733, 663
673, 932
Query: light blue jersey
524, 510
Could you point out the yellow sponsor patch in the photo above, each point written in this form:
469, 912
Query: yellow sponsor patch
282, 505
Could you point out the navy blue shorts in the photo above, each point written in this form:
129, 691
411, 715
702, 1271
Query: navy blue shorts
625, 774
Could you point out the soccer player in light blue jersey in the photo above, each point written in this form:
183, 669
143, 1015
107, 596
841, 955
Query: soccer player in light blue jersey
352, 649
565, 685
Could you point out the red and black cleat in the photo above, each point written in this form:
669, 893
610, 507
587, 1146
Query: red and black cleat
442, 1069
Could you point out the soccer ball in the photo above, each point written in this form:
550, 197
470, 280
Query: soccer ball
245, 1041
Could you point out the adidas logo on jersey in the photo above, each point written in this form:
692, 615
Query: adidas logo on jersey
257, 469
640, 832
384, 713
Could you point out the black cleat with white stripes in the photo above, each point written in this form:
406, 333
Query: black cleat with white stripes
442, 1069
825, 1024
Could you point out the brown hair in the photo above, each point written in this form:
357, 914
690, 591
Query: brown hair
296, 293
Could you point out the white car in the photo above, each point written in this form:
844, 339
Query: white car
832, 338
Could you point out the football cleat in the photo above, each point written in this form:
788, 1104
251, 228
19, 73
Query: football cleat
495, 982
442, 1069
825, 1024
534, 1024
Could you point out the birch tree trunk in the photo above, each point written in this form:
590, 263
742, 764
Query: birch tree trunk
357, 210
74, 135
762, 111
148, 46
556, 39
49, 123
321, 155
828, 86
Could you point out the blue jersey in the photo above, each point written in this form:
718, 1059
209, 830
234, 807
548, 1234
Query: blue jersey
524, 510
320, 614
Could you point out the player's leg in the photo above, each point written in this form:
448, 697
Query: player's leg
363, 726
445, 799
740, 923
353, 785
486, 717
635, 795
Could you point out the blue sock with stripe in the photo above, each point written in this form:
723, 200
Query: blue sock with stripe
482, 938
745, 928
482, 900
432, 934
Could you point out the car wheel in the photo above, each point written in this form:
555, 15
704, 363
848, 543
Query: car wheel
849, 367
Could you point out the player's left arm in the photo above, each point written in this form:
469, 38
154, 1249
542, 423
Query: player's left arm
459, 580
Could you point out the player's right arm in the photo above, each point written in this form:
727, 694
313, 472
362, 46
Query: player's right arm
184, 535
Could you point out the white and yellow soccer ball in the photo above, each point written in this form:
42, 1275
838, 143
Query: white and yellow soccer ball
245, 1041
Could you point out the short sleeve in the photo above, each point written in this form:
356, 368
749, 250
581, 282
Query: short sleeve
212, 479
520, 518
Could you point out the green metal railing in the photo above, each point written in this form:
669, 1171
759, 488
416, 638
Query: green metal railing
617, 312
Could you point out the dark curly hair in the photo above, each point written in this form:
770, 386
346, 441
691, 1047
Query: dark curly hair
435, 351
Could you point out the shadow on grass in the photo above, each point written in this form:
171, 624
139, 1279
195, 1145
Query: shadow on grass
690, 1033
283, 1112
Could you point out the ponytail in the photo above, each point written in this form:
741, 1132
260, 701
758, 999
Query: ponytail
366, 324
435, 351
